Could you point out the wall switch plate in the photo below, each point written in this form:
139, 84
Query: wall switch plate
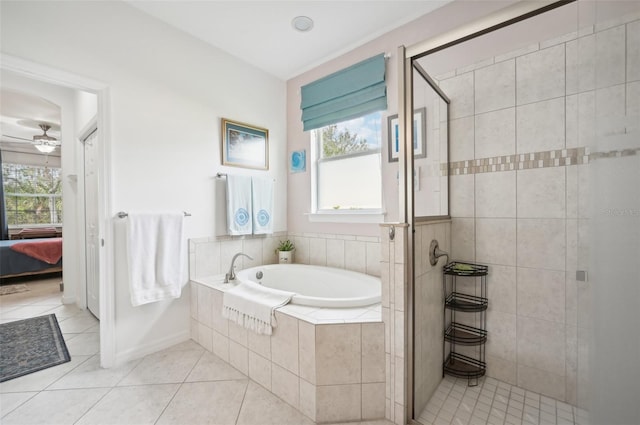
581, 275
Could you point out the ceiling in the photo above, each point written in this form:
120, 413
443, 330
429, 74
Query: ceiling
258, 32
20, 115
261, 32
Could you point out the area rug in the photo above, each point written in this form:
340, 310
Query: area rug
31, 345
13, 289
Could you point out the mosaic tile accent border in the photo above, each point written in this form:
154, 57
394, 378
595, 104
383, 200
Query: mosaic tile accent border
614, 154
526, 161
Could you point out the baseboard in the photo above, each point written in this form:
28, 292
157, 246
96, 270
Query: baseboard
153, 347
68, 300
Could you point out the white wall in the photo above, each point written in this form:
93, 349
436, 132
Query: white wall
167, 95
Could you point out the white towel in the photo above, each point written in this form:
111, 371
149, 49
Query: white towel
251, 305
155, 248
239, 205
262, 194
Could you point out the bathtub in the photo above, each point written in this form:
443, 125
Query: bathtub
317, 286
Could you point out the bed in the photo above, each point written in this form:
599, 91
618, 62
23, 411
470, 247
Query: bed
14, 263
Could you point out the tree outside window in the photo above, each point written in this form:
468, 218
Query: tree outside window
33, 195
348, 165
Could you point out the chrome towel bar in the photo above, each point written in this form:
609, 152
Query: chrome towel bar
123, 214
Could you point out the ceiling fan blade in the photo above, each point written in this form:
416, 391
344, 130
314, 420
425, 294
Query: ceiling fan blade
17, 138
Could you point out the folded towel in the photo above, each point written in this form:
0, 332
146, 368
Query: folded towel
239, 205
47, 250
155, 249
252, 305
262, 195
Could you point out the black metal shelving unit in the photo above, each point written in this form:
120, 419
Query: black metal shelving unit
460, 304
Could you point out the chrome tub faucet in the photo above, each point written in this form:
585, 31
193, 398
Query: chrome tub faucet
231, 274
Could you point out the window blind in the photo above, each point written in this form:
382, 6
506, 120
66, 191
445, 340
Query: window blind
349, 93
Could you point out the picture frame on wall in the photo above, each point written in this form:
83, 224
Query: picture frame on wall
419, 135
298, 163
244, 145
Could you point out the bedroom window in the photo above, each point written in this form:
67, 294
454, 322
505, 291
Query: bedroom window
33, 195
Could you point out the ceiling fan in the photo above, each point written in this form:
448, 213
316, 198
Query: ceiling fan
43, 142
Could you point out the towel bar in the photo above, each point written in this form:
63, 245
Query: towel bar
123, 214
223, 175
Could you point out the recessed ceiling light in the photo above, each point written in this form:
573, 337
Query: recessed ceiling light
302, 23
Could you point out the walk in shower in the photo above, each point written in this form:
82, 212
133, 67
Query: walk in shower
530, 120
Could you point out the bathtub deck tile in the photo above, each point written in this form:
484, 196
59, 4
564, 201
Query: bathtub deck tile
314, 359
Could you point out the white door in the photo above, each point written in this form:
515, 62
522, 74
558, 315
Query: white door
92, 241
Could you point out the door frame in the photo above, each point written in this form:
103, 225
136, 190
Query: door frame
59, 77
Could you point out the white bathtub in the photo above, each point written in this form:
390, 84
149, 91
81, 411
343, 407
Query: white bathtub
317, 286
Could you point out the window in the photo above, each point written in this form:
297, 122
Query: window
33, 195
347, 167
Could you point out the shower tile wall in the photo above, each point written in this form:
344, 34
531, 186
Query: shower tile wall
520, 131
429, 324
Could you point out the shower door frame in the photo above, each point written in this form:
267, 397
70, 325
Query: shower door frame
500, 19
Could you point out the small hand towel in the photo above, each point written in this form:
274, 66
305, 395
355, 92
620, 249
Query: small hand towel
155, 249
239, 205
262, 195
251, 305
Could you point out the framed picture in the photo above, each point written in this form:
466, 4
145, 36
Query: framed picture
419, 135
298, 161
244, 145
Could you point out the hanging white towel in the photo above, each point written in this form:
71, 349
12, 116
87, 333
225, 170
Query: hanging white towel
155, 248
251, 305
262, 194
239, 220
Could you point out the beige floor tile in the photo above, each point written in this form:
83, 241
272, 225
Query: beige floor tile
212, 368
40, 380
130, 405
55, 407
205, 403
9, 401
25, 312
260, 407
76, 324
163, 368
185, 346
93, 329
65, 311
91, 375
84, 344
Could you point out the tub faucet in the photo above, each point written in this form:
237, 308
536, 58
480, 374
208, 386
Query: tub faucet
231, 275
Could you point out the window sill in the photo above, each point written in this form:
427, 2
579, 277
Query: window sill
347, 217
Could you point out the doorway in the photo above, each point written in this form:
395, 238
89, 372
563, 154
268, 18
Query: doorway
106, 300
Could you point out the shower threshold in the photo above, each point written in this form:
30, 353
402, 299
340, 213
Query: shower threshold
494, 402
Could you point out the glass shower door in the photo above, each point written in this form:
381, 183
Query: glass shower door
430, 200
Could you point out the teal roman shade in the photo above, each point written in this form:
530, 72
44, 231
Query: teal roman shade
350, 93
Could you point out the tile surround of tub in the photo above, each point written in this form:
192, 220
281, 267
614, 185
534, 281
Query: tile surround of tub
326, 363
212, 256
542, 186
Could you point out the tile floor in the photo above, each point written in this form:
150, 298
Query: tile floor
181, 385
494, 402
